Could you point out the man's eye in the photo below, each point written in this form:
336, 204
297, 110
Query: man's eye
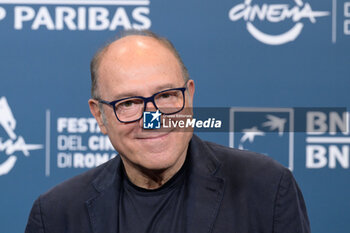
165, 95
127, 104
131, 103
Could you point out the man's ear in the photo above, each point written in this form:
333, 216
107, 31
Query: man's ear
96, 112
191, 89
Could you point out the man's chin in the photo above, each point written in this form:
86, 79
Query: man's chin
154, 168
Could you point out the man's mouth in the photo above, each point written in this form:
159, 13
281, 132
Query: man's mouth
153, 135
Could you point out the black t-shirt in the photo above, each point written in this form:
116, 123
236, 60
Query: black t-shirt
153, 211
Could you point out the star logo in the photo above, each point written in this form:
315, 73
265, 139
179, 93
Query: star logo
151, 120
156, 115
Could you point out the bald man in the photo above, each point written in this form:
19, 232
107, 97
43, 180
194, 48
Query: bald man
164, 180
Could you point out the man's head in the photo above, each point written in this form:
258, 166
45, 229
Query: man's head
140, 65
95, 62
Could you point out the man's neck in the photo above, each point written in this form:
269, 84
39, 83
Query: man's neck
151, 179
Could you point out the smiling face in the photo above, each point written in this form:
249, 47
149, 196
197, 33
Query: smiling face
141, 66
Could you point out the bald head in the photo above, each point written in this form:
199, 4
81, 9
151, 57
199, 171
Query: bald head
131, 45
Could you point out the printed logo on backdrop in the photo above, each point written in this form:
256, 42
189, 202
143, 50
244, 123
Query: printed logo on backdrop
275, 17
76, 15
80, 143
327, 139
265, 130
11, 145
346, 27
271, 131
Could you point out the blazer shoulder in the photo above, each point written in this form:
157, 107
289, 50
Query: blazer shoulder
80, 186
66, 204
245, 163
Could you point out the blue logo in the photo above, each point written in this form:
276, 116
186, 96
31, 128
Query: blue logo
151, 120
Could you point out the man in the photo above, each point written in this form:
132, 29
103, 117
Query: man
164, 181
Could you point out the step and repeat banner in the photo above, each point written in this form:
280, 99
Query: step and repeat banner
276, 71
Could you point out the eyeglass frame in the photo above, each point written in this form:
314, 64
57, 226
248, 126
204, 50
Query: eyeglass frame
145, 101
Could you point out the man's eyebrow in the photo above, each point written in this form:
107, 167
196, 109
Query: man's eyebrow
157, 89
166, 86
124, 95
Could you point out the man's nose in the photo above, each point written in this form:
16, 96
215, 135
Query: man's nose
150, 107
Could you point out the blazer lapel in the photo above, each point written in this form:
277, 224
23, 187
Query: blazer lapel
103, 204
205, 189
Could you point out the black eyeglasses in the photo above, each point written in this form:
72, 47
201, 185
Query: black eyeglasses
130, 109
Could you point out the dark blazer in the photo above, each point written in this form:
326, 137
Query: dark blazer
228, 190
